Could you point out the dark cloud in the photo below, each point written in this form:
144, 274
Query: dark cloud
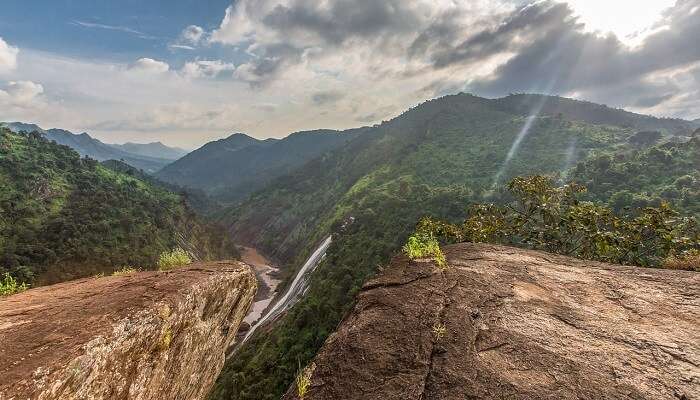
336, 21
549, 49
326, 97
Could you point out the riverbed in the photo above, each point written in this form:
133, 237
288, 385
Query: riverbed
266, 273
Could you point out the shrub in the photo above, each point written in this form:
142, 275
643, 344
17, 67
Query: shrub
546, 217
424, 245
124, 271
9, 285
173, 259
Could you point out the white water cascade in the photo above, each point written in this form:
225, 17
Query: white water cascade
295, 290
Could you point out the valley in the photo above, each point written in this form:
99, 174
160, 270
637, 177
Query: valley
339, 200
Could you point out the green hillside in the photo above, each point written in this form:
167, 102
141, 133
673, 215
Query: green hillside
435, 159
64, 216
230, 169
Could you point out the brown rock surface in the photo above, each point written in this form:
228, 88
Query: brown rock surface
147, 335
518, 324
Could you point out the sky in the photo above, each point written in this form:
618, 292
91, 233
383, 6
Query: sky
185, 72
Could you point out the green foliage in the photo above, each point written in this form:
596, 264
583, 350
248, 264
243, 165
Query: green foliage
9, 285
173, 259
543, 216
64, 217
424, 245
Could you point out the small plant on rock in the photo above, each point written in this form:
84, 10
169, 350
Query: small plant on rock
9, 285
439, 330
127, 270
303, 380
173, 259
425, 245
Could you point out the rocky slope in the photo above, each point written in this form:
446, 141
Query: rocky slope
505, 323
147, 335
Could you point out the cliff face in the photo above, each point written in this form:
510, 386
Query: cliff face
148, 335
505, 323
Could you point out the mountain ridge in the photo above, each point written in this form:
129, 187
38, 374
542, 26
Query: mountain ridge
142, 156
233, 167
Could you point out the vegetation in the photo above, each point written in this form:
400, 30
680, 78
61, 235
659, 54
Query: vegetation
124, 271
434, 160
230, 169
64, 217
9, 285
690, 261
303, 381
423, 244
550, 218
439, 331
173, 259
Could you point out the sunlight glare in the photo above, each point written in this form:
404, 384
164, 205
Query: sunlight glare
630, 20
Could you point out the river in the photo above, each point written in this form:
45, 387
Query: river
293, 293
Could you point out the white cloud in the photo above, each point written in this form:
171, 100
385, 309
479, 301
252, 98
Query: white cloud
8, 57
193, 34
149, 65
190, 38
206, 68
20, 93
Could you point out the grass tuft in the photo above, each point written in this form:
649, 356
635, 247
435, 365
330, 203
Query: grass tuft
303, 380
173, 259
127, 270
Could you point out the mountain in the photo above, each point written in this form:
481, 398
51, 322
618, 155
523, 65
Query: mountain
154, 150
579, 110
231, 168
88, 146
501, 323
64, 216
435, 159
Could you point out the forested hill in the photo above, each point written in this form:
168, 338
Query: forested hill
435, 160
232, 168
63, 216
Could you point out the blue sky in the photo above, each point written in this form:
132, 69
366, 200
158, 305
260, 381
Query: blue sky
186, 72
117, 30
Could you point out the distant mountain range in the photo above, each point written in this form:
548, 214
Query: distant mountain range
149, 157
232, 168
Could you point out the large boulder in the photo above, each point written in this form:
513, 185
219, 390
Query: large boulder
146, 335
507, 323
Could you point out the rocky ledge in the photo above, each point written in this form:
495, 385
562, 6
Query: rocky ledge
506, 323
146, 335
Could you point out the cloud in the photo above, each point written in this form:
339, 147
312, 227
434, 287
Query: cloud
206, 68
190, 38
8, 57
149, 65
124, 29
20, 94
326, 97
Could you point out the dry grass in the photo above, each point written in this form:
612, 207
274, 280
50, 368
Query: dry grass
686, 262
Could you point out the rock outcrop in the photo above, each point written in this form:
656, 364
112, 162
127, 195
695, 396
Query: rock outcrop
146, 335
506, 323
